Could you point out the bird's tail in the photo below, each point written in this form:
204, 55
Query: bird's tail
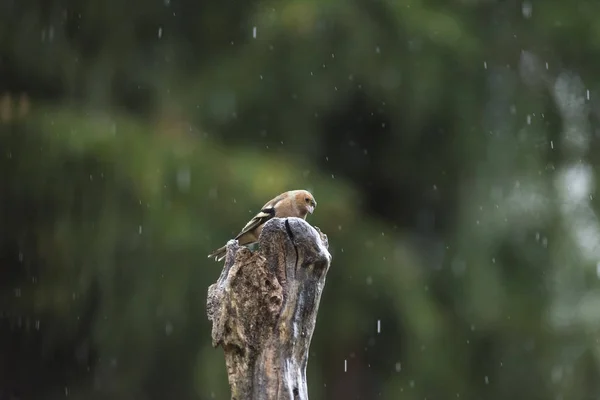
219, 253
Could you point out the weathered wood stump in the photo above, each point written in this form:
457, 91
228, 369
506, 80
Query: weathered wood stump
264, 308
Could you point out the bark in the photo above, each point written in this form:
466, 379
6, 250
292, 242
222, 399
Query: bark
264, 308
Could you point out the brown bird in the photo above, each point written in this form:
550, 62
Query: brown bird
295, 203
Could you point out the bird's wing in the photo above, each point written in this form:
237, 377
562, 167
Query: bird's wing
263, 216
266, 213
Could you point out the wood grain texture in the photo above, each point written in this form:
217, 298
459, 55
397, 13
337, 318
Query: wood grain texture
264, 309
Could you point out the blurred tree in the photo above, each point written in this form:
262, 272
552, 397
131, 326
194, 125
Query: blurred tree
450, 146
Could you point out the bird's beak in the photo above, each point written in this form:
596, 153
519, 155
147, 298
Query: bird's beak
311, 209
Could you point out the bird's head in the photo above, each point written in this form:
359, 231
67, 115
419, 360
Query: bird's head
305, 201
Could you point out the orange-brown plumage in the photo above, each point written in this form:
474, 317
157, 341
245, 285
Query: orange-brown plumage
294, 203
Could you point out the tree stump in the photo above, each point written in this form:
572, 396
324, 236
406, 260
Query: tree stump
264, 308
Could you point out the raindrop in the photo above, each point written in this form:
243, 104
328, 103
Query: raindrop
528, 119
254, 32
487, 380
557, 374
184, 178
398, 367
587, 94
168, 328
378, 326
552, 144
345, 365
370, 279
160, 32
527, 9
458, 266
485, 65
140, 229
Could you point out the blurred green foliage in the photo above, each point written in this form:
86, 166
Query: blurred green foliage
451, 147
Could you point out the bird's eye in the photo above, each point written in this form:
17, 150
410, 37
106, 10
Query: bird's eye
307, 200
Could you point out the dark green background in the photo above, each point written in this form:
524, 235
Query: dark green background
446, 143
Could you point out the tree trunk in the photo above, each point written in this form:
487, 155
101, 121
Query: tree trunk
264, 308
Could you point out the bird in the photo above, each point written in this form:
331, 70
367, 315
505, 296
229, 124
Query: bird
293, 203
